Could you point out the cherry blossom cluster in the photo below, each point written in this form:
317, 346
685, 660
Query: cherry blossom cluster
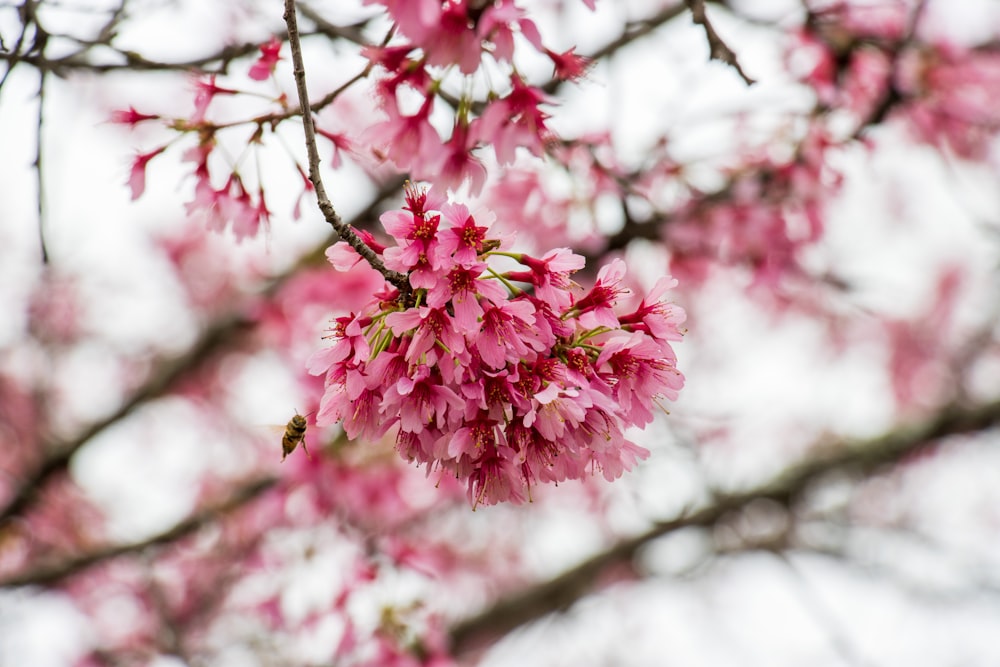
430, 40
234, 205
872, 60
452, 35
503, 377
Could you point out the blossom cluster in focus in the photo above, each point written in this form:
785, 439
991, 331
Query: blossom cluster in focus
503, 378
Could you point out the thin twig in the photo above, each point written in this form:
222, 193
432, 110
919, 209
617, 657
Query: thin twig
717, 48
840, 642
325, 205
27, 16
39, 176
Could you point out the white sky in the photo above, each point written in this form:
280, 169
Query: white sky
761, 377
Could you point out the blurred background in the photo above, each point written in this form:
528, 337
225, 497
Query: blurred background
825, 492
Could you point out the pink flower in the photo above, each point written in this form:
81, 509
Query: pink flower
596, 308
453, 163
420, 400
340, 143
428, 327
415, 18
495, 479
130, 116
504, 337
205, 92
137, 176
307, 187
464, 240
409, 141
496, 24
637, 373
462, 287
515, 120
230, 206
568, 65
400, 69
658, 319
453, 39
264, 66
416, 232
343, 257
615, 460
550, 275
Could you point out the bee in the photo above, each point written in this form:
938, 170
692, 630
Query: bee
295, 432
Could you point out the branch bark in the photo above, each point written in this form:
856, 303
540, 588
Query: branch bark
325, 205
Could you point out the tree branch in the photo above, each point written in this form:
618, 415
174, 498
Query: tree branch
50, 573
325, 205
860, 457
217, 337
717, 48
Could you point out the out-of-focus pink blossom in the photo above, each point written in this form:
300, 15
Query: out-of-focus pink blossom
453, 40
137, 174
130, 116
415, 18
205, 92
454, 164
515, 121
918, 348
951, 100
341, 144
497, 25
264, 66
567, 65
411, 142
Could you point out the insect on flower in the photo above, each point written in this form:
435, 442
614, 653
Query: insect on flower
295, 432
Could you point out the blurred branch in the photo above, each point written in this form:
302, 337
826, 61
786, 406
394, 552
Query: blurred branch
881, 540
39, 172
217, 336
48, 574
166, 373
17, 53
134, 62
352, 33
717, 49
858, 457
814, 605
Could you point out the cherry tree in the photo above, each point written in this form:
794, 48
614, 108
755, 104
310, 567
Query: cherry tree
587, 332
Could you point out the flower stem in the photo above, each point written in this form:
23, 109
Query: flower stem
329, 212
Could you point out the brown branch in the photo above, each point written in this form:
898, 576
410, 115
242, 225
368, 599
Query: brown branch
168, 372
717, 49
50, 573
136, 62
858, 457
325, 205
